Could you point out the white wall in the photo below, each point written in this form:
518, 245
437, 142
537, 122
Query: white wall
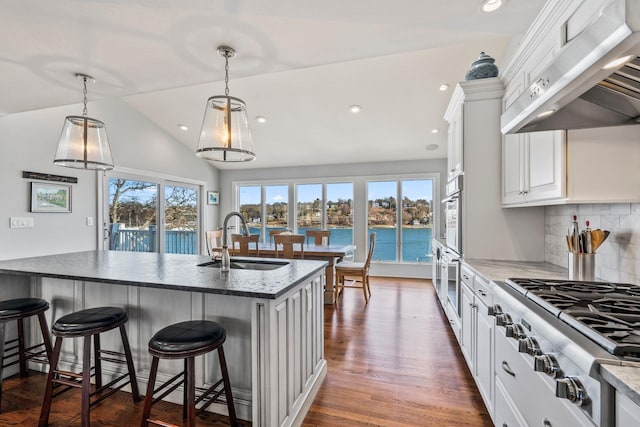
28, 143
359, 170
618, 259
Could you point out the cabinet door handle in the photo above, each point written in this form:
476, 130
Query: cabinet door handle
507, 368
481, 292
546, 423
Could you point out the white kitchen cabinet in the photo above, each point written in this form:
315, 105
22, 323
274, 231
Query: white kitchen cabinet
483, 372
533, 167
627, 412
454, 143
577, 166
487, 230
477, 328
506, 414
467, 323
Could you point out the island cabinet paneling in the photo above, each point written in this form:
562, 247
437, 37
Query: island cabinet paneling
274, 347
295, 358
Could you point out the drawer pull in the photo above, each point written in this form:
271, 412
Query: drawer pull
507, 368
546, 423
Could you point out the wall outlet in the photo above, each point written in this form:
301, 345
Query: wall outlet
21, 222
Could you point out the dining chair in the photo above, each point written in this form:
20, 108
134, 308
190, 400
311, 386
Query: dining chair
244, 243
320, 237
276, 232
213, 240
287, 242
356, 272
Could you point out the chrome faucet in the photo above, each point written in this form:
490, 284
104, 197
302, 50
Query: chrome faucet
225, 262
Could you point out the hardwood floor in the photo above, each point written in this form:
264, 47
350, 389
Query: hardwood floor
393, 362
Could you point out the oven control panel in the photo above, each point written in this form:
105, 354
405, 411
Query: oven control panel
530, 351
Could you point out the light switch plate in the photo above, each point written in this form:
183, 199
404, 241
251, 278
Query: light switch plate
21, 222
89, 220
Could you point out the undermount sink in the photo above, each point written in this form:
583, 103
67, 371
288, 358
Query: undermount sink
247, 264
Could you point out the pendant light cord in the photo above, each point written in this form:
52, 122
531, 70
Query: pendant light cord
226, 74
84, 93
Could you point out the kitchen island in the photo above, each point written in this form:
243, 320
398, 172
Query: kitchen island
273, 315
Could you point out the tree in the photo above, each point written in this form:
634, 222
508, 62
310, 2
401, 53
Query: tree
119, 188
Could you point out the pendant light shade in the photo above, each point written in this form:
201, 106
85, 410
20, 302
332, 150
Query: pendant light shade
83, 142
225, 135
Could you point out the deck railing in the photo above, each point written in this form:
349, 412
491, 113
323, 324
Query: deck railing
175, 242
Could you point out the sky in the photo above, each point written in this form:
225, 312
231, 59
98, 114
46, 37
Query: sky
413, 189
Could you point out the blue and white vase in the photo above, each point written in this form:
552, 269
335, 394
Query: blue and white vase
482, 68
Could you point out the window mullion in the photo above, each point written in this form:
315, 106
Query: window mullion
398, 221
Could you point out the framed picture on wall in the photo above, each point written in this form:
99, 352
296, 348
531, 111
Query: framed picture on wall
47, 197
213, 197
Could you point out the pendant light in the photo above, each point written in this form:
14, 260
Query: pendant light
225, 134
83, 142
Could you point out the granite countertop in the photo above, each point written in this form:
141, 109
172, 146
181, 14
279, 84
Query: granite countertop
166, 271
501, 270
625, 379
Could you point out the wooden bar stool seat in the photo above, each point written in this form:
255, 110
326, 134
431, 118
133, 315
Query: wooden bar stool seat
185, 340
14, 351
86, 324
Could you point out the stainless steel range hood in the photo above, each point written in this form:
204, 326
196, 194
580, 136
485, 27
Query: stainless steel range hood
576, 91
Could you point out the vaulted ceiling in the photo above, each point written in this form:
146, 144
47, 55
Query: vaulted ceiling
300, 64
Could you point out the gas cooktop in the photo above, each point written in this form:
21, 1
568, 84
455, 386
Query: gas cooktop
607, 313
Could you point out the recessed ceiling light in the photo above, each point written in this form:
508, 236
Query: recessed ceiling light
355, 109
435, 130
261, 119
546, 113
491, 5
183, 127
444, 87
431, 147
616, 63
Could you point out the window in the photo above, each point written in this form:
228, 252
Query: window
412, 239
180, 219
417, 219
399, 211
276, 204
132, 215
381, 218
250, 207
261, 217
309, 207
152, 216
339, 210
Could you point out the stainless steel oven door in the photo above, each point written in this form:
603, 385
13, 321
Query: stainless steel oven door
452, 209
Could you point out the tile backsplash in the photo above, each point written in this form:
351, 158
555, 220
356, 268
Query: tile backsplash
618, 259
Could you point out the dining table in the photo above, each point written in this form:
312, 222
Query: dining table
332, 254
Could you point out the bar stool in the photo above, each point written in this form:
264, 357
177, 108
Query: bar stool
185, 340
89, 323
19, 309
